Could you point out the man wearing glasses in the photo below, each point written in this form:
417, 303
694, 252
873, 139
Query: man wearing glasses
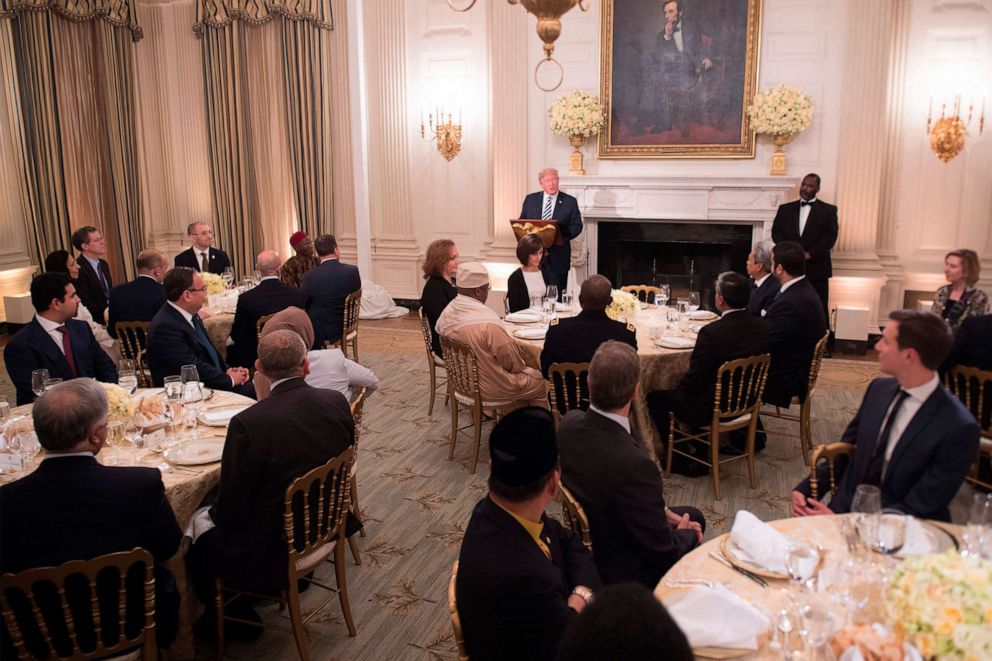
201, 255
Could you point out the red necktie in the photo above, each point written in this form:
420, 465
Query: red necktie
67, 349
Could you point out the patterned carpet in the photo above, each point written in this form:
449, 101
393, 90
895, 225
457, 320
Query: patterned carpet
416, 505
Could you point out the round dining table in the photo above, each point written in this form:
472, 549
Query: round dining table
661, 368
185, 488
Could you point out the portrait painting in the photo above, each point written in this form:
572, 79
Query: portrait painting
677, 76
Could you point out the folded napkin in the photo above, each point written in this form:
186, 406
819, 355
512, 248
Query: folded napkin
702, 315
200, 523
525, 316
716, 617
223, 415
759, 542
917, 540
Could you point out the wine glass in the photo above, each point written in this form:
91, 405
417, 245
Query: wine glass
38, 378
188, 373
977, 537
818, 624
4, 413
781, 610
134, 437
127, 377
693, 301
256, 277
891, 533
801, 561
51, 383
566, 300
173, 403
228, 277
866, 505
661, 298
553, 292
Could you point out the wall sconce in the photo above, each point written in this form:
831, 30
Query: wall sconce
446, 134
947, 134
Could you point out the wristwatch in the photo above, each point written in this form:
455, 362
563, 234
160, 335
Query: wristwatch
583, 592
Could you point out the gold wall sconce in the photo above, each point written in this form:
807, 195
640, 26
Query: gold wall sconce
446, 134
948, 132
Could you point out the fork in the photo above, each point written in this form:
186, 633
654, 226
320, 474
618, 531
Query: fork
690, 582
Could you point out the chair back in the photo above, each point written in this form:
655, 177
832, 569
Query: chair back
739, 386
315, 509
57, 612
463, 369
352, 308
828, 453
456, 621
974, 388
645, 293
132, 336
814, 366
574, 516
260, 324
357, 405
568, 387
425, 328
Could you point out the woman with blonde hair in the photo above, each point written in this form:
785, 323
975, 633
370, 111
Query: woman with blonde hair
440, 265
531, 279
960, 299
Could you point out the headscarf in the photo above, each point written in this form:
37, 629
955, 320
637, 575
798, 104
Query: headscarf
293, 319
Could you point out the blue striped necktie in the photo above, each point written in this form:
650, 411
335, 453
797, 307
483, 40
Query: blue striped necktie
547, 209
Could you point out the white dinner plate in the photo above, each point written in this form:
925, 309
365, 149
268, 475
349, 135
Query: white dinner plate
675, 342
220, 417
523, 317
195, 453
530, 333
702, 315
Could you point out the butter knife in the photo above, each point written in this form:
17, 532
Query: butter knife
740, 570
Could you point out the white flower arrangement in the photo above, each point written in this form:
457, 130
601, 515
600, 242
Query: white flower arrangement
624, 304
119, 403
781, 110
943, 605
578, 113
214, 283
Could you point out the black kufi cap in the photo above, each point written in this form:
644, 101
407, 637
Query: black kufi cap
523, 447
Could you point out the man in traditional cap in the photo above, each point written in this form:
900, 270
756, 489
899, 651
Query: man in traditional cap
521, 576
503, 375
296, 267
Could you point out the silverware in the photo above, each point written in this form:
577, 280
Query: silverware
740, 570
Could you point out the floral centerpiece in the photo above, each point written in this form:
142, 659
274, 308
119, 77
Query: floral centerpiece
214, 283
578, 115
120, 404
943, 605
624, 305
782, 112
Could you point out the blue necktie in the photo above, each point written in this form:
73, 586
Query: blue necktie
547, 210
778, 295
103, 281
201, 335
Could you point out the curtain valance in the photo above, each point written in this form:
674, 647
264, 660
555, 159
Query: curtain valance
221, 13
120, 13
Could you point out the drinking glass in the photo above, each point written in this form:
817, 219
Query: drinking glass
135, 438
782, 613
672, 315
682, 304
535, 302
51, 383
256, 277
228, 277
801, 561
891, 532
866, 505
115, 441
977, 537
693, 301
127, 377
4, 413
661, 298
192, 396
173, 403
818, 625
38, 378
553, 292
188, 373
566, 300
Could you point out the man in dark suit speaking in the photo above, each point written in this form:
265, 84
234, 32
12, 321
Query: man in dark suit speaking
552, 204
913, 439
813, 224
201, 255
325, 289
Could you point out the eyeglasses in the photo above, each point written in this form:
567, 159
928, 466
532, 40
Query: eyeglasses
204, 288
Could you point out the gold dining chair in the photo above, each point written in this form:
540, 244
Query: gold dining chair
315, 510
349, 332
260, 324
736, 402
433, 362
828, 454
644, 293
574, 516
70, 590
568, 388
456, 621
357, 406
132, 336
974, 388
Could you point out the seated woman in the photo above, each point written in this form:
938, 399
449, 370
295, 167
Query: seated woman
62, 262
328, 367
440, 265
529, 280
960, 299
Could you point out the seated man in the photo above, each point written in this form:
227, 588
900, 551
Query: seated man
575, 340
913, 439
143, 297
503, 375
736, 334
74, 508
53, 340
301, 263
269, 297
177, 337
764, 286
634, 536
296, 429
325, 289
521, 575
795, 324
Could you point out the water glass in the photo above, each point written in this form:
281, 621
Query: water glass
535, 302
228, 277
682, 305
818, 624
51, 383
188, 373
173, 403
552, 292
801, 561
693, 304
661, 298
135, 438
977, 538
866, 505
566, 300
4, 413
38, 378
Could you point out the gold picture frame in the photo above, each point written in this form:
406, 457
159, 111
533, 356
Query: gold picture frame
668, 101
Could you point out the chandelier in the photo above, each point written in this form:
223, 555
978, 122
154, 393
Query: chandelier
548, 13
948, 132
445, 134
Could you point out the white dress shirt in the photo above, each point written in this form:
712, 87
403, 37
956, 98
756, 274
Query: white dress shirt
804, 214
758, 283
621, 420
186, 315
199, 256
905, 415
791, 282
330, 369
544, 203
51, 327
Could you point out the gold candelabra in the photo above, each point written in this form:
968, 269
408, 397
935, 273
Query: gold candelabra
948, 132
446, 134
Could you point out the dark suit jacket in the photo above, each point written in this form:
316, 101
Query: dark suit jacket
32, 348
972, 344
734, 335
818, 237
269, 297
517, 295
621, 491
437, 293
795, 324
218, 260
575, 339
929, 462
762, 297
325, 288
566, 212
294, 430
513, 600
89, 288
138, 300
171, 343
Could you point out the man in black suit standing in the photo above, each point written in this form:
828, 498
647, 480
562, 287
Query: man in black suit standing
294, 430
74, 508
140, 299
972, 344
325, 289
913, 439
53, 340
269, 297
736, 334
177, 337
813, 224
522, 576
552, 204
201, 255
795, 324
635, 537
764, 286
94, 282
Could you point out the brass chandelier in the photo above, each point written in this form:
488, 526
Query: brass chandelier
948, 132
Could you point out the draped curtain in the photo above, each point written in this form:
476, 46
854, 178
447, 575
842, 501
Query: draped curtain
68, 72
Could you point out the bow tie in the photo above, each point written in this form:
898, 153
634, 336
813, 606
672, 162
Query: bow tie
804, 203
677, 28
